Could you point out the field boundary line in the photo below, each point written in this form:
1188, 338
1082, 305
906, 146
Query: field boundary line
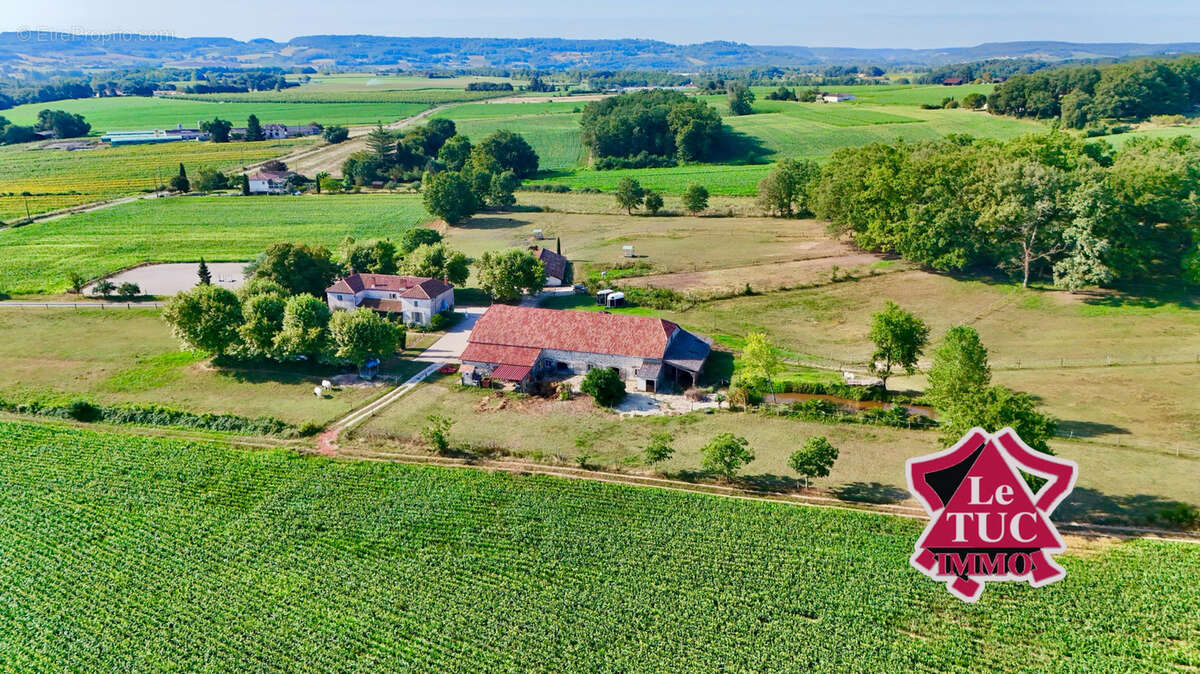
566, 472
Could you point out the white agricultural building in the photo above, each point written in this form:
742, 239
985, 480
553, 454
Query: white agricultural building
414, 299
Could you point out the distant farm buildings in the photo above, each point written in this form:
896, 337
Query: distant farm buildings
270, 182
414, 299
836, 98
520, 345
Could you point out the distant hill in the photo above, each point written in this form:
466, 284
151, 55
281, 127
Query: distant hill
60, 51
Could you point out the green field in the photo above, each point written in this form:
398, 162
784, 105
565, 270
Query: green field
776, 130
893, 94
37, 258
57, 178
137, 112
139, 553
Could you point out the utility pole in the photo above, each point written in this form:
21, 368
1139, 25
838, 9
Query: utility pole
28, 217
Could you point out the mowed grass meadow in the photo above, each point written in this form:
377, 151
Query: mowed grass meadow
38, 258
58, 178
777, 130
141, 553
128, 356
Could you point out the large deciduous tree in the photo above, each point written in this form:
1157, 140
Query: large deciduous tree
362, 334
629, 194
814, 459
205, 318
899, 338
449, 196
504, 276
298, 267
305, 328
725, 454
960, 368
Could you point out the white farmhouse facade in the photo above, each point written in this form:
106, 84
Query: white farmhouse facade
270, 182
413, 299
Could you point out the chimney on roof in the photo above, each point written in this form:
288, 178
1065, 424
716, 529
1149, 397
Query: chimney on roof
558, 245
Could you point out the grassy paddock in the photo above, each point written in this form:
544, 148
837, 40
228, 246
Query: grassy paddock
870, 464
37, 258
146, 553
119, 356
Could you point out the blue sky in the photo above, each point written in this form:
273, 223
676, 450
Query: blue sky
863, 23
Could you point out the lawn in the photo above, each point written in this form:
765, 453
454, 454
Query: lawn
143, 553
129, 356
37, 258
138, 112
1115, 483
57, 178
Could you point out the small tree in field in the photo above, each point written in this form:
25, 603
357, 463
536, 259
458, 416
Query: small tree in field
76, 281
653, 202
660, 448
129, 290
695, 198
104, 288
814, 459
899, 338
630, 194
759, 358
605, 385
179, 181
725, 454
437, 431
203, 274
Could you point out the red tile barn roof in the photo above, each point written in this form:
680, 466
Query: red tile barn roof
581, 331
499, 353
556, 265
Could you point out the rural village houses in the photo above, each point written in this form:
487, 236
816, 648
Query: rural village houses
270, 182
521, 345
414, 299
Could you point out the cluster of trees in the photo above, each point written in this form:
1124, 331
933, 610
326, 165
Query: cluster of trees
650, 128
725, 454
986, 71
264, 321
239, 81
1047, 205
37, 88
61, 123
809, 95
741, 99
489, 86
1080, 95
458, 177
468, 178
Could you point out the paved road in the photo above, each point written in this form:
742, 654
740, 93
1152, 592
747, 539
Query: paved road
451, 345
19, 304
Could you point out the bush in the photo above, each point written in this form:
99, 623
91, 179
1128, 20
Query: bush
1181, 515
640, 160
605, 385
309, 429
546, 187
82, 410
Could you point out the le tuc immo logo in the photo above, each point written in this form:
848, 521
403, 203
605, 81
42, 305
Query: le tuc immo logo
986, 524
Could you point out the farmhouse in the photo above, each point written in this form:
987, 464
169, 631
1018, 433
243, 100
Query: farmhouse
270, 182
555, 264
413, 298
522, 345
837, 98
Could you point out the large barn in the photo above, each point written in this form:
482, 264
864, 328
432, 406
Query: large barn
522, 345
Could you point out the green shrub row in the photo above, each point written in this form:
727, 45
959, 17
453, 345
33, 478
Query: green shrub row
150, 415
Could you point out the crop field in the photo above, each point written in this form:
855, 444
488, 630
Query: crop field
57, 178
128, 356
37, 258
144, 553
136, 112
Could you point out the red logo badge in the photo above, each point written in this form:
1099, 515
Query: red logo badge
985, 523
